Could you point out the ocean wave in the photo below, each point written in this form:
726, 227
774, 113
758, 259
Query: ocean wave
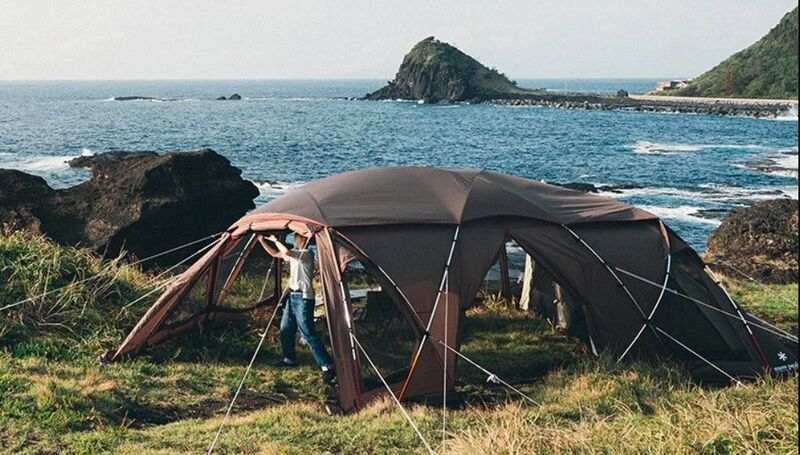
656, 148
685, 213
781, 163
276, 188
147, 99
36, 163
42, 164
790, 115
708, 192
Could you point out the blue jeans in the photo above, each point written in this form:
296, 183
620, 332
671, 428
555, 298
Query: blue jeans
299, 314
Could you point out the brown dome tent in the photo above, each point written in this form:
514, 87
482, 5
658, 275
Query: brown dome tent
430, 235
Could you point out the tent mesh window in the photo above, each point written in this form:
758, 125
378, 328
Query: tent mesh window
380, 326
254, 284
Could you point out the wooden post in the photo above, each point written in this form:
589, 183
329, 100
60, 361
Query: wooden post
505, 280
277, 267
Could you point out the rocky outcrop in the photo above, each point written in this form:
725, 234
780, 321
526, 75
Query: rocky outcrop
592, 188
140, 202
134, 98
760, 241
235, 97
435, 71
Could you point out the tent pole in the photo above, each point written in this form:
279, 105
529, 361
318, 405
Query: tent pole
426, 335
237, 268
347, 318
653, 311
755, 342
385, 275
444, 364
615, 276
505, 280
773, 330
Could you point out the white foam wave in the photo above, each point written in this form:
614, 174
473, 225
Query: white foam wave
42, 164
790, 115
685, 213
274, 189
656, 148
36, 163
709, 192
782, 163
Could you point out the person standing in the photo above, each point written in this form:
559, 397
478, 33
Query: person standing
298, 313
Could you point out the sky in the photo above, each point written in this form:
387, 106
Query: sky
362, 39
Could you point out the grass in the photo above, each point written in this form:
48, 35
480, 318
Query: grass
55, 398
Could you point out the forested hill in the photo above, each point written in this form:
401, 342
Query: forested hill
767, 69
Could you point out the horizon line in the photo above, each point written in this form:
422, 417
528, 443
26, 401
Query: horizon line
354, 79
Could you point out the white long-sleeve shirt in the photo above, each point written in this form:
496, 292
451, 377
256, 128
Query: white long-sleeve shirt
301, 271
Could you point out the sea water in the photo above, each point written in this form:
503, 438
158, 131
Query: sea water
688, 169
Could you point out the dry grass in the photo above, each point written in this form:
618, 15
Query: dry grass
56, 399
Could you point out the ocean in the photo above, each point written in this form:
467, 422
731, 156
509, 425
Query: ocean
688, 169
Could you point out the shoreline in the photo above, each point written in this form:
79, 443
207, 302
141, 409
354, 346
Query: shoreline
735, 107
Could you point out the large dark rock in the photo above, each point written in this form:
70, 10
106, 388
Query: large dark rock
140, 202
435, 71
760, 241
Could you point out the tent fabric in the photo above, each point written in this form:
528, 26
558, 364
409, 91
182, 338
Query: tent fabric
403, 223
421, 195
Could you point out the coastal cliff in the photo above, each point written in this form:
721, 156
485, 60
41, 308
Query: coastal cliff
767, 69
435, 71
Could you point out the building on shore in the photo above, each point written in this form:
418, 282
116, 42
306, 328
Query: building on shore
675, 84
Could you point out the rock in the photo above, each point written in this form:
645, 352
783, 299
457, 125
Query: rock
235, 97
760, 241
622, 93
434, 71
221, 98
20, 198
140, 202
583, 187
134, 98
592, 188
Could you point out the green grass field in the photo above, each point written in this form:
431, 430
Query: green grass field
55, 398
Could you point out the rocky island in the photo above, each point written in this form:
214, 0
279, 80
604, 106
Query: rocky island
434, 71
437, 72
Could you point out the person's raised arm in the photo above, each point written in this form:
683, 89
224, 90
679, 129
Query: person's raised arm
274, 247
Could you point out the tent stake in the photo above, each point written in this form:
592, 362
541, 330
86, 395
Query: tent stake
491, 376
